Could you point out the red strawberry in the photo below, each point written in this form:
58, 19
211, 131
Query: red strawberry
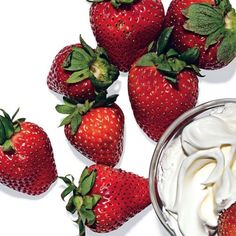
227, 222
95, 130
162, 87
125, 28
209, 25
78, 70
106, 197
26, 156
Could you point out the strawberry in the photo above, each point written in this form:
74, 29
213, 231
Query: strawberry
106, 197
227, 222
78, 71
209, 25
95, 128
26, 157
125, 28
162, 85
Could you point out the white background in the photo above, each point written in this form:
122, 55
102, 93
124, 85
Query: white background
32, 32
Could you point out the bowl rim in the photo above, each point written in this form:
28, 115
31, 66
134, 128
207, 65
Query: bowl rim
156, 155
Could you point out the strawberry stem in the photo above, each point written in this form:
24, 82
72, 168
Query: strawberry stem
86, 63
80, 201
230, 21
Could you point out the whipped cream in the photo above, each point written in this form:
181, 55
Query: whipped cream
198, 173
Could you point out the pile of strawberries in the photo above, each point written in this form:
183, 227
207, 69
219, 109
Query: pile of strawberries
162, 55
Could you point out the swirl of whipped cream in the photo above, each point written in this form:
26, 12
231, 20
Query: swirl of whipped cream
199, 170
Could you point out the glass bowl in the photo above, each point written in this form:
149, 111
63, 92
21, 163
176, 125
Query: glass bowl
174, 130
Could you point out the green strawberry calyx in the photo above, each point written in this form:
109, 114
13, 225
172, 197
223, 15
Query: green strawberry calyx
217, 23
81, 202
8, 127
75, 110
167, 60
115, 3
86, 63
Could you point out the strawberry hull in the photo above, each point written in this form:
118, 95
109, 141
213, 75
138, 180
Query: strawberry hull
57, 78
183, 39
126, 32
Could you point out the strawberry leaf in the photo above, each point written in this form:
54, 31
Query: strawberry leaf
67, 191
224, 6
20, 120
81, 227
96, 199
176, 64
87, 48
215, 37
67, 120
118, 3
91, 201
17, 128
87, 184
163, 41
164, 67
80, 53
195, 69
149, 59
2, 133
101, 52
88, 202
15, 114
79, 76
70, 205
65, 109
190, 55
111, 99
78, 59
172, 53
203, 19
69, 102
84, 174
66, 180
102, 99
227, 49
5, 114
8, 126
78, 202
8, 146
100, 85
75, 123
88, 215
171, 79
